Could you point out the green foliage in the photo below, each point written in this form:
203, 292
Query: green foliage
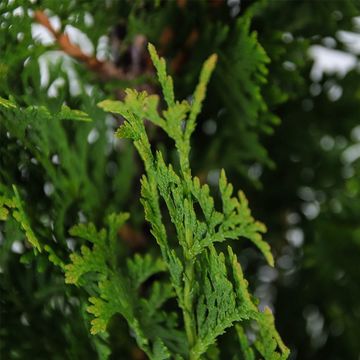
185, 294
267, 343
210, 300
117, 287
14, 207
20, 216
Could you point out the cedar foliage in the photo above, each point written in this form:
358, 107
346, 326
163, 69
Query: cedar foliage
210, 298
69, 189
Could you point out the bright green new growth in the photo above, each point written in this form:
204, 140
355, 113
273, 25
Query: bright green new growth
117, 287
209, 285
13, 206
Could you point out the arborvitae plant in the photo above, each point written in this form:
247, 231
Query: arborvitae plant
208, 284
69, 171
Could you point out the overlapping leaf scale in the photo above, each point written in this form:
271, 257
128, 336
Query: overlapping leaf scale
114, 297
171, 190
117, 296
89, 232
269, 343
175, 123
199, 94
165, 80
142, 267
118, 291
86, 262
161, 324
246, 350
138, 104
6, 204
235, 221
13, 206
18, 213
238, 221
218, 306
246, 305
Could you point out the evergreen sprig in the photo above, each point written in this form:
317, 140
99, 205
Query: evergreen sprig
208, 284
116, 288
210, 287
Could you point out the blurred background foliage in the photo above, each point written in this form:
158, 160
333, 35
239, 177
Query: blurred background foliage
281, 115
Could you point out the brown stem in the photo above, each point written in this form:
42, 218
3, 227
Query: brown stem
106, 69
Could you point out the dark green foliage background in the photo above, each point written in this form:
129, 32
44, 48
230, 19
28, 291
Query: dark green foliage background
266, 118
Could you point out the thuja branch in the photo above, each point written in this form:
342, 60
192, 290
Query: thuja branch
209, 285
